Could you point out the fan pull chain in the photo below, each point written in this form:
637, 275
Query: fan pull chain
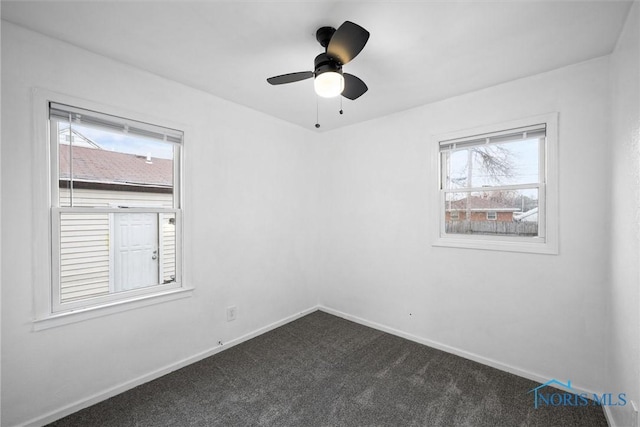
317, 114
341, 112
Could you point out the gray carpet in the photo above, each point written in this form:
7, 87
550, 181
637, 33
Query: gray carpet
322, 370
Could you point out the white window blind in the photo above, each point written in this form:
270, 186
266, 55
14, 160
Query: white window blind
510, 135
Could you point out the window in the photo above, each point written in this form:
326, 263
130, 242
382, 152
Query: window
115, 209
500, 182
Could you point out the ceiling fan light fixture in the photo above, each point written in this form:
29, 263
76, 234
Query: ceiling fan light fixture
329, 84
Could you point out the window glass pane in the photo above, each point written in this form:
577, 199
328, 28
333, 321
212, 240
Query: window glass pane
106, 253
98, 167
507, 213
510, 163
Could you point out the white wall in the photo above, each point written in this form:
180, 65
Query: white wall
542, 316
250, 191
623, 343
0, 244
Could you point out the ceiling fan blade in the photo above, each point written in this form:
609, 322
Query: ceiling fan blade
290, 78
353, 86
347, 42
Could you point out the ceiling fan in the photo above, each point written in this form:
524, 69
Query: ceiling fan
341, 46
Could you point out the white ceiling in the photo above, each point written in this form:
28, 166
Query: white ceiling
418, 52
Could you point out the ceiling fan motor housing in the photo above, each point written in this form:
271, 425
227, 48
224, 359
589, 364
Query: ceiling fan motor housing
324, 63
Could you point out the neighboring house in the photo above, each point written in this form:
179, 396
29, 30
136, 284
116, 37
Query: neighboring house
477, 208
79, 140
112, 179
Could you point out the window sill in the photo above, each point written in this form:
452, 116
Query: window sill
79, 315
493, 244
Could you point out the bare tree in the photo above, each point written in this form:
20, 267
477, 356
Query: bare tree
495, 161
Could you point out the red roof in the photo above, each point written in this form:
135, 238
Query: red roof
95, 165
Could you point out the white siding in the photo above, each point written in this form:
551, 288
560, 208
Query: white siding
104, 198
168, 248
84, 249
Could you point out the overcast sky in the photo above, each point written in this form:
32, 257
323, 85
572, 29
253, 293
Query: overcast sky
123, 143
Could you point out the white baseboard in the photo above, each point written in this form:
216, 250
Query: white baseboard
609, 417
456, 351
113, 391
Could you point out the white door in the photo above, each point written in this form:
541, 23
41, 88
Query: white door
136, 251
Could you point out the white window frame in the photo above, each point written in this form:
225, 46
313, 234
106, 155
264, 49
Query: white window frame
547, 240
492, 215
48, 311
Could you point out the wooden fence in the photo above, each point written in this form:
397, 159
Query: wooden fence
510, 228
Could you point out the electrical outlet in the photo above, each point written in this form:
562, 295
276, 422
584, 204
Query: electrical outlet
232, 313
